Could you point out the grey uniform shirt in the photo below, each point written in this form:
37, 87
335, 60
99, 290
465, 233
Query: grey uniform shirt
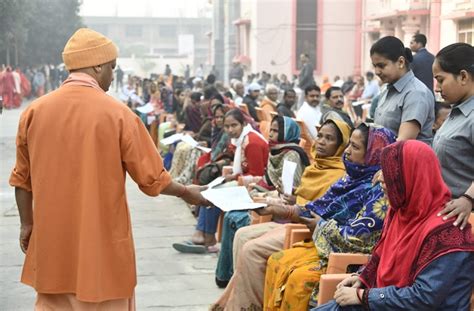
454, 146
408, 99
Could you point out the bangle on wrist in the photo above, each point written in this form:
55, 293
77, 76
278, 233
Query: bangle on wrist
469, 198
291, 211
359, 295
183, 191
365, 299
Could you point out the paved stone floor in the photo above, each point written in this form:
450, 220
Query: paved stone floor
167, 280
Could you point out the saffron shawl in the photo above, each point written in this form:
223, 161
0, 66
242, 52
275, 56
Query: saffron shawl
413, 234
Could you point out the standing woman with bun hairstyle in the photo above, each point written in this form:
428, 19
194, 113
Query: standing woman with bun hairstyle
406, 105
453, 144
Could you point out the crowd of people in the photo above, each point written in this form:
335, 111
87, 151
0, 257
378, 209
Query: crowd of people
382, 169
344, 190
17, 84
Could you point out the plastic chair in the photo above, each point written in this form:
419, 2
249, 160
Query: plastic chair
337, 262
295, 233
263, 115
264, 127
244, 108
256, 218
154, 132
307, 138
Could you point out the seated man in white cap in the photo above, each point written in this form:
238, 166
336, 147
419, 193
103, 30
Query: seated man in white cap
74, 147
251, 99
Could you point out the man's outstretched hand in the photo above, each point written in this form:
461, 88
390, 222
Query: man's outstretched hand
193, 195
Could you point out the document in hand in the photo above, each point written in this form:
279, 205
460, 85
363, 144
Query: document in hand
145, 108
287, 176
231, 199
186, 138
216, 182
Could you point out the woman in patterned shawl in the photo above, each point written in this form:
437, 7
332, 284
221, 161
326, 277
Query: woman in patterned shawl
348, 218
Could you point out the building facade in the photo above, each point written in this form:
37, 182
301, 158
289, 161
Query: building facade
442, 21
152, 38
269, 35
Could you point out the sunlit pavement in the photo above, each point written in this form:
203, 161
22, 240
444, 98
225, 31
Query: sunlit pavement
167, 280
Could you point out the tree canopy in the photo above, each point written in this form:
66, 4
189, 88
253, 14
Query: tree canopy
34, 32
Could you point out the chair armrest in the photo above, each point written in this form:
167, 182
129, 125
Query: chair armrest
338, 262
289, 228
327, 286
298, 235
259, 219
220, 223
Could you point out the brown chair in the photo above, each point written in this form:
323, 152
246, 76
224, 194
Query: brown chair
163, 117
256, 218
307, 138
263, 115
244, 108
302, 142
154, 132
264, 127
338, 263
295, 233
220, 222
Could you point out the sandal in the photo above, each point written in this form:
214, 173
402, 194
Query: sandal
189, 247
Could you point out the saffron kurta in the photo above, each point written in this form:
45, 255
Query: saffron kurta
74, 147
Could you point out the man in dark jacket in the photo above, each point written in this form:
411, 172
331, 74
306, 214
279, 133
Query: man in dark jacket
306, 74
422, 60
251, 100
236, 72
289, 100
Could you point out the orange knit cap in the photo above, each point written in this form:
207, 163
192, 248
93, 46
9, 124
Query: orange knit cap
88, 48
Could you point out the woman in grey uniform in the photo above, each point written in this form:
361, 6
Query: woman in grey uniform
406, 105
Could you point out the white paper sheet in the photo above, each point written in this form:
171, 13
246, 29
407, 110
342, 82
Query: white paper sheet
189, 140
146, 108
171, 139
219, 180
287, 176
150, 119
358, 103
205, 149
231, 199
137, 99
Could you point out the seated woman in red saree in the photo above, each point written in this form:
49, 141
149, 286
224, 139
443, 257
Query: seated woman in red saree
421, 261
